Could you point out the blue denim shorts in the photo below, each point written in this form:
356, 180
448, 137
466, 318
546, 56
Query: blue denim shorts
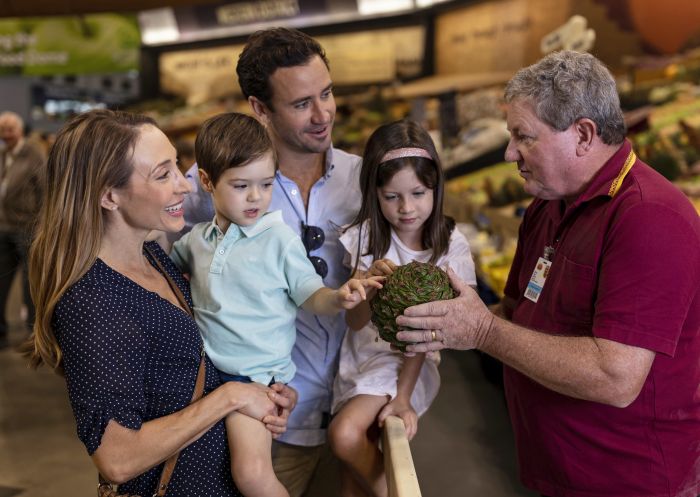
239, 378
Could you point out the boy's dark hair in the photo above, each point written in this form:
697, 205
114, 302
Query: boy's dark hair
230, 140
375, 174
268, 50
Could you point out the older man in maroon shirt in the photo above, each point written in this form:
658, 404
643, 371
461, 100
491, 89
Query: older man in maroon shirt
599, 329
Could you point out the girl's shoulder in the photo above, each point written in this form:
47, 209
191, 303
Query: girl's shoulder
354, 240
458, 246
350, 236
459, 257
457, 239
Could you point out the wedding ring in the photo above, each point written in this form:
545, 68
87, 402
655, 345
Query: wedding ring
432, 333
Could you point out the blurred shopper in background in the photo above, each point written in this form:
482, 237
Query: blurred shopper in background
112, 313
21, 176
600, 325
284, 75
185, 154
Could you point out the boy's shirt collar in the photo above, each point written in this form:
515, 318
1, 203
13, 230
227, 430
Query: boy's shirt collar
265, 222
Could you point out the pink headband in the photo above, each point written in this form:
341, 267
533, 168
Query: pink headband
399, 153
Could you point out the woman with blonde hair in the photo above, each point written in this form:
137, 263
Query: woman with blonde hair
109, 317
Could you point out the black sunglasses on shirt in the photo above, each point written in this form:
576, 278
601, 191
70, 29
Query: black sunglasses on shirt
313, 237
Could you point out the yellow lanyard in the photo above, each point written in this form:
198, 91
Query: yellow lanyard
617, 182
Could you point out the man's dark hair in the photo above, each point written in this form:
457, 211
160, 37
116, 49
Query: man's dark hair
268, 50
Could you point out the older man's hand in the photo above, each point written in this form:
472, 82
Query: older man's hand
461, 323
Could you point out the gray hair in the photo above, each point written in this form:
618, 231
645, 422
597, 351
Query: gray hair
12, 117
566, 86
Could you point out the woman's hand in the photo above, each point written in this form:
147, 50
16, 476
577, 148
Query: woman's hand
285, 399
255, 399
402, 408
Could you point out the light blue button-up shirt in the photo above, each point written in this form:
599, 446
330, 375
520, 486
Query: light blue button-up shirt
246, 287
334, 201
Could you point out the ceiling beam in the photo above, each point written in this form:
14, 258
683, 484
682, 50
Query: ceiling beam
34, 8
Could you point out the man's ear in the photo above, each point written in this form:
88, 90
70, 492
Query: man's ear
109, 200
205, 181
261, 110
586, 132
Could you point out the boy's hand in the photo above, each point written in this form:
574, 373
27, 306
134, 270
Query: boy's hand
355, 291
285, 398
381, 267
401, 408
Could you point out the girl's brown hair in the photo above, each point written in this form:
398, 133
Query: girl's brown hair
375, 174
92, 152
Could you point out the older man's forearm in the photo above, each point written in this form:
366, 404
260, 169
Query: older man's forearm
582, 367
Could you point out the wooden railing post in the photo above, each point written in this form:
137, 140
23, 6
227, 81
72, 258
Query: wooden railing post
400, 473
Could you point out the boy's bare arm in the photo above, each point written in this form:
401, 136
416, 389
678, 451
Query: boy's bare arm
326, 301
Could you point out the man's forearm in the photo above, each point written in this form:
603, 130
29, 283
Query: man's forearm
582, 367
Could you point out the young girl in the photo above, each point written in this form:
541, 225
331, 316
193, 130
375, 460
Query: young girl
400, 220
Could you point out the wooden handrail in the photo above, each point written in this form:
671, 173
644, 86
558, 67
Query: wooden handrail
398, 464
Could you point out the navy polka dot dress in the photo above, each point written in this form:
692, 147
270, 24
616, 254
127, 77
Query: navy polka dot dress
131, 356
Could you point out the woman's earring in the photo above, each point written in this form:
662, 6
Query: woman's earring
114, 207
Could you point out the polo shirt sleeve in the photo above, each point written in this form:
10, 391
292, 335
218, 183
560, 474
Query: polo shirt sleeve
302, 280
648, 278
181, 253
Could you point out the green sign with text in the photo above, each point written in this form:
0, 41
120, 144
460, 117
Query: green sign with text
89, 44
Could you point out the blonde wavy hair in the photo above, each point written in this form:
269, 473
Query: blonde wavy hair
92, 152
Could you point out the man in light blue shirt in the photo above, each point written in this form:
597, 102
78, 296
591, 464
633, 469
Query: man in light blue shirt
284, 74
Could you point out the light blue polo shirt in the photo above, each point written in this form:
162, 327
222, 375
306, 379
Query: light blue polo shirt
246, 287
334, 201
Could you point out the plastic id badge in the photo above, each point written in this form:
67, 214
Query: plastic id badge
537, 280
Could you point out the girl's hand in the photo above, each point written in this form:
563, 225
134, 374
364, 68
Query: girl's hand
381, 267
355, 291
285, 398
402, 408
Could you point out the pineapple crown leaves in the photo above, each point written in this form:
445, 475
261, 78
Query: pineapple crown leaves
411, 284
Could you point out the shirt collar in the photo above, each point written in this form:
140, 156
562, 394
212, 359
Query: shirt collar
267, 220
329, 166
603, 179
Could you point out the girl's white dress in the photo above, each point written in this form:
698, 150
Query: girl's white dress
367, 363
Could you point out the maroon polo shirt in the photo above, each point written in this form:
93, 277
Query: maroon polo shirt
626, 268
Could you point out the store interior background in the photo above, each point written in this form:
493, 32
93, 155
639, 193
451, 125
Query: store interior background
443, 63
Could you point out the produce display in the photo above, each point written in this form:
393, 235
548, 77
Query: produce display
411, 284
671, 141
